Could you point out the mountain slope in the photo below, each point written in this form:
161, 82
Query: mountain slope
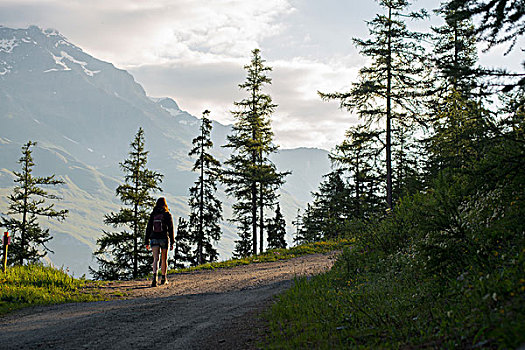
83, 113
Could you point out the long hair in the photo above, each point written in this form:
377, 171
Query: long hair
161, 205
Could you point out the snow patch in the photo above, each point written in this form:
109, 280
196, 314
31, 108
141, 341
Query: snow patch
4, 141
50, 32
90, 150
28, 40
63, 42
64, 55
58, 62
67, 138
7, 45
5, 71
36, 120
174, 112
81, 63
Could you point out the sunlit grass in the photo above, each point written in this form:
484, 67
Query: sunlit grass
22, 286
273, 255
366, 302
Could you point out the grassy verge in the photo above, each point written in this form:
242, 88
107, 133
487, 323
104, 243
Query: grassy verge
273, 255
369, 300
23, 286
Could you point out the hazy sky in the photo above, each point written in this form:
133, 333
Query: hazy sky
194, 51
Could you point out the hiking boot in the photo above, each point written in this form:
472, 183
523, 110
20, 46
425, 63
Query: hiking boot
154, 282
164, 280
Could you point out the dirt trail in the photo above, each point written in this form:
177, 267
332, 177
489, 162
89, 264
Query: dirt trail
192, 312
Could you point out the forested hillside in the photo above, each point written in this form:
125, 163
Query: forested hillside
431, 185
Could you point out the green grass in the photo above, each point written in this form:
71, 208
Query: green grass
273, 255
22, 286
366, 301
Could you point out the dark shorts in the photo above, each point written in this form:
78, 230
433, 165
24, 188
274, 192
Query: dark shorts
163, 243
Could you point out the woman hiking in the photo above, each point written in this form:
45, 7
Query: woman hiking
159, 233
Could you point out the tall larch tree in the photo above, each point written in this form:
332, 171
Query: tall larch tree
121, 255
27, 202
388, 87
250, 177
205, 208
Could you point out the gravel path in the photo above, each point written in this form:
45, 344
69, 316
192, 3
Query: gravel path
200, 310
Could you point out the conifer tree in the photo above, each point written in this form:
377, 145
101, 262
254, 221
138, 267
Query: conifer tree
332, 203
206, 209
386, 89
499, 21
359, 155
462, 126
311, 226
455, 56
243, 246
29, 201
269, 181
329, 214
182, 249
277, 230
121, 255
250, 177
408, 158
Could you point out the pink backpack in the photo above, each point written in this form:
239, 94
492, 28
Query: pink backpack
158, 223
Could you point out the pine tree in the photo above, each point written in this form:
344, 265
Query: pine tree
119, 254
251, 178
28, 201
277, 230
182, 249
206, 209
501, 21
462, 127
497, 22
269, 181
298, 224
387, 88
408, 159
332, 203
359, 156
455, 56
311, 226
243, 246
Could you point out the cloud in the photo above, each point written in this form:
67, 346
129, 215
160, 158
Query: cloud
136, 32
194, 51
301, 118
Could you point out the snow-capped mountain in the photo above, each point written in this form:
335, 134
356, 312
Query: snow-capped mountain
84, 113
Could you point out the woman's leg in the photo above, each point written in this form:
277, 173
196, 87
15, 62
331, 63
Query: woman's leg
155, 250
164, 261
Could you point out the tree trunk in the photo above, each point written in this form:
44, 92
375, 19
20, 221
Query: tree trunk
261, 219
389, 115
201, 204
357, 187
254, 217
24, 214
135, 230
